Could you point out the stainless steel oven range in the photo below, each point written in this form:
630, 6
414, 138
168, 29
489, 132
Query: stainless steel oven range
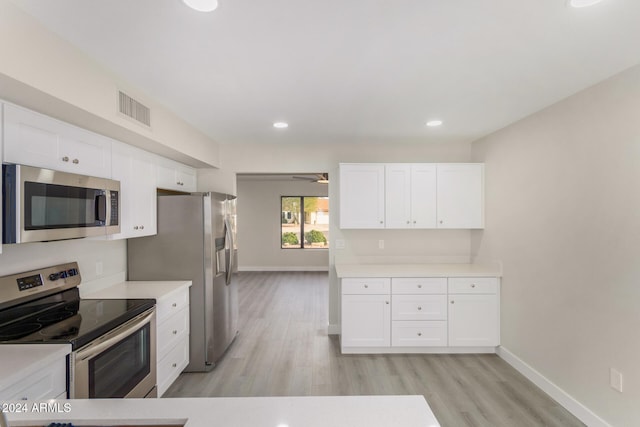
113, 341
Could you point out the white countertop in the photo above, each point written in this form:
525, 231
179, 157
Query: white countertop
418, 270
334, 411
18, 361
140, 289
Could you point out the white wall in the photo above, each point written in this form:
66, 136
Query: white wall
259, 227
43, 72
563, 216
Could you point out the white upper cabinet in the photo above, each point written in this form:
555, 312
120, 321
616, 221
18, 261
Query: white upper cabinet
136, 171
37, 140
460, 195
172, 175
362, 195
410, 195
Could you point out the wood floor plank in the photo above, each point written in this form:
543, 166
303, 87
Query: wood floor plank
283, 350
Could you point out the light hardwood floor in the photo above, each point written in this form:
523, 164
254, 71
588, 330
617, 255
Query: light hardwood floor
283, 350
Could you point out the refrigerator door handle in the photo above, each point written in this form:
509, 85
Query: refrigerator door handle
229, 250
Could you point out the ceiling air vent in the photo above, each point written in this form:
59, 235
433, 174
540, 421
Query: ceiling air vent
134, 109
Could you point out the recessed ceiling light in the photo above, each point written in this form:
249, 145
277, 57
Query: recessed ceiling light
280, 125
434, 123
583, 3
202, 5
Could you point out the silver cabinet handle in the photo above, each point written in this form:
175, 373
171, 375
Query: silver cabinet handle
419, 286
76, 161
419, 308
175, 332
174, 365
65, 159
473, 285
440, 221
142, 227
414, 222
387, 302
381, 222
175, 304
452, 301
408, 222
419, 334
366, 286
135, 227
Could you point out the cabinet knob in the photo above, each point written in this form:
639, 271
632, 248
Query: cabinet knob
452, 301
24, 398
414, 222
381, 222
419, 286
175, 304
65, 159
174, 365
76, 161
180, 183
440, 221
135, 227
175, 332
387, 302
473, 285
142, 227
419, 334
408, 222
366, 286
419, 308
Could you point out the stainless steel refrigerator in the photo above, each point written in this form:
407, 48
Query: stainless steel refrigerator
196, 241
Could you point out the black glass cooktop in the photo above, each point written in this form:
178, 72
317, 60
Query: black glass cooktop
65, 318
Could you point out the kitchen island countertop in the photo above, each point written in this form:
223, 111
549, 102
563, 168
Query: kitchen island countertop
335, 411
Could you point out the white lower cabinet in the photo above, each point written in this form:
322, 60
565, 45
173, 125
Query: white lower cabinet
366, 313
172, 340
420, 315
49, 382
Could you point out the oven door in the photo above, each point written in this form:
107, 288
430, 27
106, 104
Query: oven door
122, 363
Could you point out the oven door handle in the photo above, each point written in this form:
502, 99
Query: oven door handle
115, 335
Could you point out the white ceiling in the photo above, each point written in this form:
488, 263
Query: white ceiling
352, 70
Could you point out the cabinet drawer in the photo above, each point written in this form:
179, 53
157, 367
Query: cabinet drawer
419, 307
170, 366
473, 285
419, 334
171, 304
47, 383
424, 285
171, 331
360, 286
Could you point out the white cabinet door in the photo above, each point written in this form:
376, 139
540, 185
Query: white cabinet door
37, 140
474, 320
397, 194
362, 195
460, 195
366, 321
172, 175
423, 195
135, 169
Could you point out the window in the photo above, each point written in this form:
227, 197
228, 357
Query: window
304, 222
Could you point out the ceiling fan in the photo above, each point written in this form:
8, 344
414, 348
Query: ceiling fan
320, 178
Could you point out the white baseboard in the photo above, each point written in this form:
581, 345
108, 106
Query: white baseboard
580, 411
283, 268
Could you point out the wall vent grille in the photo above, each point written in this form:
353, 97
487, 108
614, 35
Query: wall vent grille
134, 109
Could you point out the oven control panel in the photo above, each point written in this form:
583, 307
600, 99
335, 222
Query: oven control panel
29, 282
42, 282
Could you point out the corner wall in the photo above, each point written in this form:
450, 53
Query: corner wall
563, 216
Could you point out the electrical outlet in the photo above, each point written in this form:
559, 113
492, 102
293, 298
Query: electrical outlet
615, 379
99, 268
380, 244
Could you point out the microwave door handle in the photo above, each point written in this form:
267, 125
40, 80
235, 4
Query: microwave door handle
101, 207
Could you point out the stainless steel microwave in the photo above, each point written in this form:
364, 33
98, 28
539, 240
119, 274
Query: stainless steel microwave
41, 205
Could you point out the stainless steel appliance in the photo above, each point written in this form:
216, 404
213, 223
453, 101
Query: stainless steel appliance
196, 241
41, 204
113, 341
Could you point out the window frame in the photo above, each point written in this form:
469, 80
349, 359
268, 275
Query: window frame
302, 218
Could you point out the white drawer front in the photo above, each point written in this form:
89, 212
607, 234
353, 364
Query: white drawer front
419, 333
358, 286
424, 285
47, 383
171, 331
170, 367
419, 307
172, 304
473, 285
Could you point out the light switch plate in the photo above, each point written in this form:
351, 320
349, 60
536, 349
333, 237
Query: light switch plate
615, 379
